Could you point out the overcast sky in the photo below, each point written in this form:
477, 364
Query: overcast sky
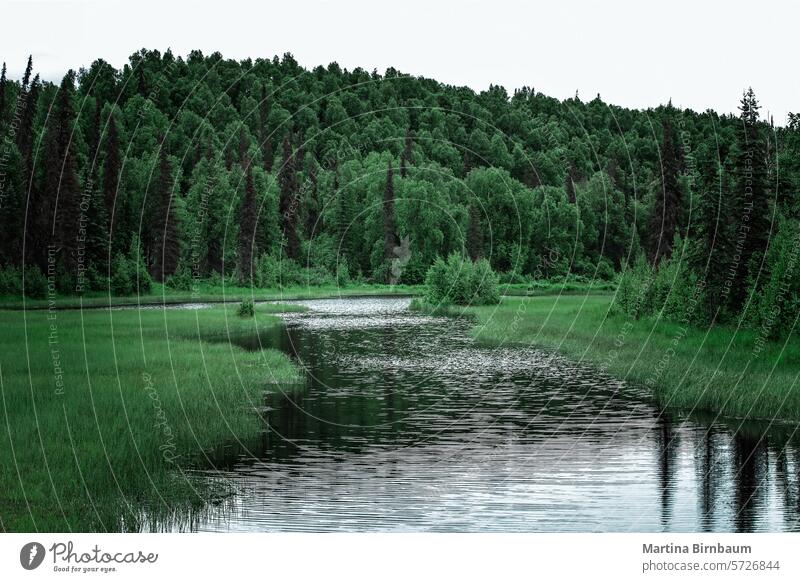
634, 53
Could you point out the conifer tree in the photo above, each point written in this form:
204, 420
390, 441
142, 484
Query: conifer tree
165, 246
664, 216
264, 136
389, 228
3, 95
313, 219
36, 228
287, 179
116, 205
248, 223
59, 195
26, 78
752, 206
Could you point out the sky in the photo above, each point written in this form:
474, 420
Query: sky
638, 54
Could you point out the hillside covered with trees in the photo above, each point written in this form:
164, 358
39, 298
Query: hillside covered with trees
263, 173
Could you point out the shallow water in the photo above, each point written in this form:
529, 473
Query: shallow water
406, 425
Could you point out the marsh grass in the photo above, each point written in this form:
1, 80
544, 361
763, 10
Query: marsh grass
160, 294
104, 411
719, 370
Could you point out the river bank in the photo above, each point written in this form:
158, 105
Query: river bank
204, 293
106, 410
717, 370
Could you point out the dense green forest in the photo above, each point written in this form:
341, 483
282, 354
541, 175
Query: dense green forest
263, 173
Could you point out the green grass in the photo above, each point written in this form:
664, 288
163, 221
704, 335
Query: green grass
103, 411
161, 294
718, 370
545, 288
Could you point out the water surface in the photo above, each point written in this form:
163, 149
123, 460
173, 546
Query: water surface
406, 425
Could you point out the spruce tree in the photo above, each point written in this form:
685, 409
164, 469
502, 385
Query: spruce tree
248, 222
389, 228
3, 95
287, 179
165, 245
116, 205
752, 206
313, 217
264, 135
26, 78
664, 216
59, 197
36, 227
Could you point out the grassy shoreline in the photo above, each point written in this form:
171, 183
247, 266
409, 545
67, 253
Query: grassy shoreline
105, 410
717, 370
161, 295
205, 293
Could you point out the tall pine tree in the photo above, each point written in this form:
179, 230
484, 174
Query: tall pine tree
247, 247
59, 196
664, 216
752, 207
165, 246
389, 227
287, 179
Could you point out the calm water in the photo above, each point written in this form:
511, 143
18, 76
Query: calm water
406, 425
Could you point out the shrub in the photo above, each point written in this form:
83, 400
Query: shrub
142, 282
181, 280
121, 279
35, 283
342, 273
457, 280
777, 305
10, 281
604, 271
633, 291
246, 309
268, 272
484, 284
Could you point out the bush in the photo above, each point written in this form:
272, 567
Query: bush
342, 273
181, 280
457, 280
142, 282
274, 273
35, 283
10, 281
121, 279
246, 309
777, 306
604, 271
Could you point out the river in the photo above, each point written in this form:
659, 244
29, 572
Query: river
406, 425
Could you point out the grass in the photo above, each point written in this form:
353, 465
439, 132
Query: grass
206, 293
104, 410
546, 288
718, 370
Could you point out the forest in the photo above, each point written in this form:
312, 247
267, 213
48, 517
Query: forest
263, 173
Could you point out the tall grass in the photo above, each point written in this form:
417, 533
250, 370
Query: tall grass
720, 370
103, 411
206, 292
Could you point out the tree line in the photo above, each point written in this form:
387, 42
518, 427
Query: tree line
261, 172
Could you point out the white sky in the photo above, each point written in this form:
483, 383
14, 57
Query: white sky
635, 54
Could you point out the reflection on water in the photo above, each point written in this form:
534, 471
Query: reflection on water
406, 426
